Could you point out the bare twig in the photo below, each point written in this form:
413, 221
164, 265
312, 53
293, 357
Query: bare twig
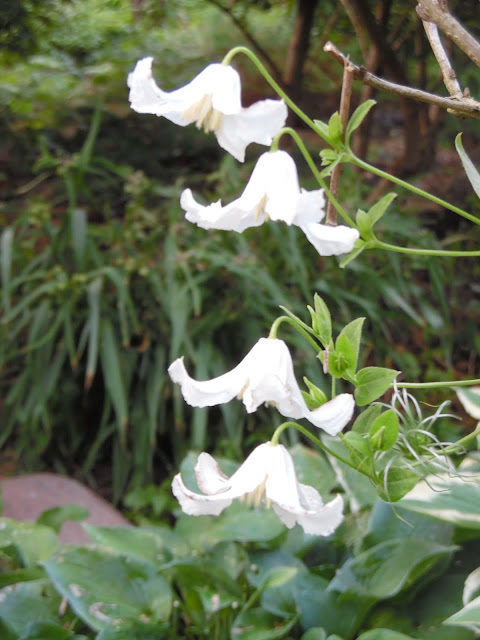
344, 112
448, 73
465, 106
436, 11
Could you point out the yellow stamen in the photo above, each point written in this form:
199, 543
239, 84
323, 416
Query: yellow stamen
204, 115
260, 208
257, 496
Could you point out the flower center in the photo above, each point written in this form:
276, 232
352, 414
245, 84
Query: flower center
204, 115
257, 496
260, 208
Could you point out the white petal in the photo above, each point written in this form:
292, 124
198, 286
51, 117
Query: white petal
233, 217
334, 415
209, 392
310, 207
258, 123
331, 241
196, 504
221, 82
319, 520
210, 478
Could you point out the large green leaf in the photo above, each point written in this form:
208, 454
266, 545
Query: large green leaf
257, 624
27, 605
141, 543
384, 634
468, 617
389, 567
455, 500
102, 587
35, 542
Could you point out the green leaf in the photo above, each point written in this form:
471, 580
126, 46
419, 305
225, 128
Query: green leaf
321, 320
359, 246
396, 482
358, 117
55, 517
384, 634
133, 630
469, 616
6, 244
313, 469
335, 130
379, 208
78, 223
102, 587
94, 292
323, 126
144, 544
257, 624
388, 568
26, 605
364, 225
112, 374
470, 399
343, 359
470, 169
384, 431
315, 633
455, 500
372, 382
328, 156
359, 449
364, 421
353, 331
35, 542
315, 396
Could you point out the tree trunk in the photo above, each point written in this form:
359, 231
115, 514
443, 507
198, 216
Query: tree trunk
298, 48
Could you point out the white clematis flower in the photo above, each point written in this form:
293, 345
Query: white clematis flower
213, 101
265, 375
273, 192
267, 475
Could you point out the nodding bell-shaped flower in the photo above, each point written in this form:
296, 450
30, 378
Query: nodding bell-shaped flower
213, 101
265, 375
267, 475
273, 193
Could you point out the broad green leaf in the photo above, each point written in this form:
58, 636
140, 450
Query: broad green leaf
384, 431
365, 420
470, 399
329, 158
46, 631
379, 208
321, 607
112, 374
342, 360
133, 630
6, 244
141, 543
469, 616
313, 468
55, 517
384, 634
321, 320
315, 633
395, 482
101, 586
35, 542
451, 499
389, 567
372, 382
470, 169
26, 605
358, 117
257, 624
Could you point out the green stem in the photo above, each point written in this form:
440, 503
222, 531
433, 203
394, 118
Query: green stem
383, 174
452, 448
378, 244
437, 385
311, 164
278, 431
275, 86
278, 322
